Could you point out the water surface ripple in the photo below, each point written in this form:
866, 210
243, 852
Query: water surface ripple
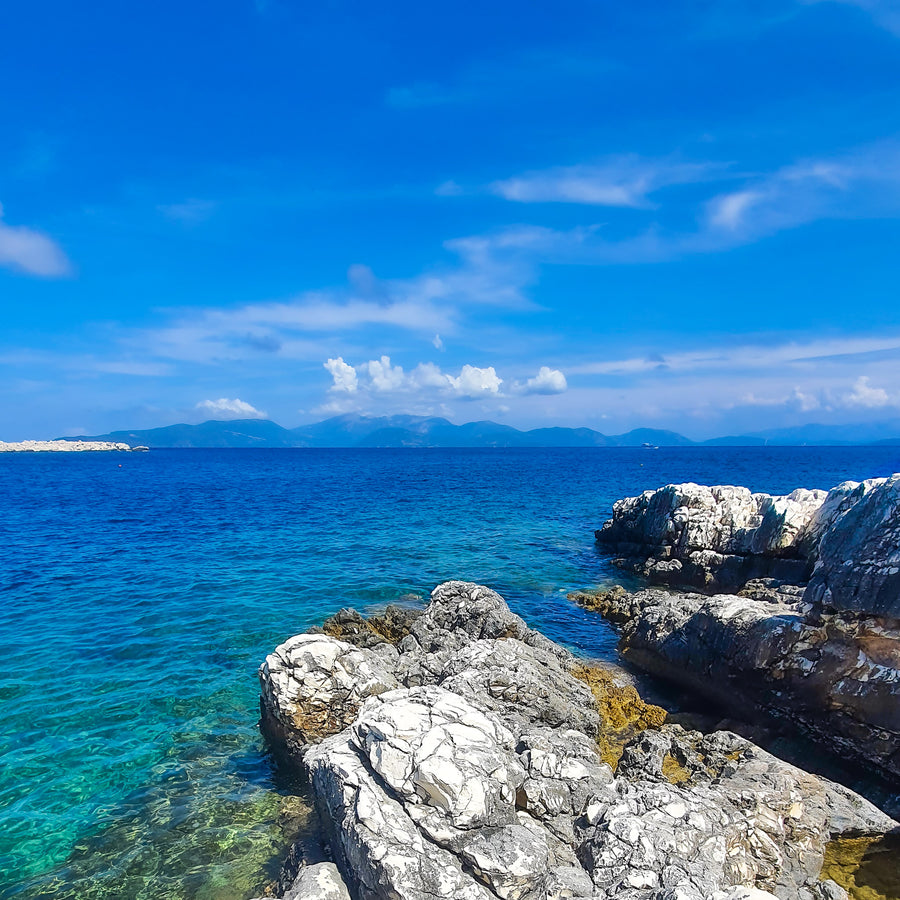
141, 591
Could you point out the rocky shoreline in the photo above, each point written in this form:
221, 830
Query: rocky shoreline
456, 753
453, 752
64, 446
799, 614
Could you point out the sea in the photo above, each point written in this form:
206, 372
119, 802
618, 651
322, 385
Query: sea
139, 592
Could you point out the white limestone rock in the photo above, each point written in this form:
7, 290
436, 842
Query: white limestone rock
858, 552
313, 685
433, 748
496, 789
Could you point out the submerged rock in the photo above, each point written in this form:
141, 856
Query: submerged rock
465, 764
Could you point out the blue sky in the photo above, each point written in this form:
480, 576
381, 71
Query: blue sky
681, 215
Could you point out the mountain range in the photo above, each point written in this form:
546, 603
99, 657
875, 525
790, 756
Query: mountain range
354, 430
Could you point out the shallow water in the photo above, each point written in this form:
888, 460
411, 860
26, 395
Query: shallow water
140, 592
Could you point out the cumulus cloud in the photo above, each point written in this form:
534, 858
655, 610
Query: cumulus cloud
381, 376
384, 376
547, 381
25, 250
864, 395
474, 382
344, 375
223, 408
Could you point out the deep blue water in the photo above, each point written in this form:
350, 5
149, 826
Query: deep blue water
140, 592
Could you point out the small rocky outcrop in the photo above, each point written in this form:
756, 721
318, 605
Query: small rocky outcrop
464, 763
713, 538
809, 629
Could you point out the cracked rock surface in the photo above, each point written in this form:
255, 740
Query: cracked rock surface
466, 766
804, 618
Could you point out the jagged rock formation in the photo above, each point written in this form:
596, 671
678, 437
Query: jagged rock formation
713, 538
816, 642
464, 763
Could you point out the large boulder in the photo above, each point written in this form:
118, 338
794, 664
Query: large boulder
818, 645
712, 538
858, 550
468, 768
845, 543
312, 686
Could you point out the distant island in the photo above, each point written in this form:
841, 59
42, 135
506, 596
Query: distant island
354, 430
66, 445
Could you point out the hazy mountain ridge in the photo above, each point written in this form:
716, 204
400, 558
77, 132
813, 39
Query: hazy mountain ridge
353, 430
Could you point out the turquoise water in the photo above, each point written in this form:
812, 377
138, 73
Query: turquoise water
140, 592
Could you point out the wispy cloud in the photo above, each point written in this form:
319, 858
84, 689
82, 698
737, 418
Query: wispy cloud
862, 183
31, 252
190, 211
225, 408
744, 357
885, 13
430, 304
618, 181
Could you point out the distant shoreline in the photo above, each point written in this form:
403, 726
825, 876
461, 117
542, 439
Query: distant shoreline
65, 447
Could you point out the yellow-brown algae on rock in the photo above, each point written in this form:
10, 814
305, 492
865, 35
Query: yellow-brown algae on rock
868, 868
623, 712
391, 626
674, 771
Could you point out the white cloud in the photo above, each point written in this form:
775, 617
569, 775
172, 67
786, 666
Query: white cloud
618, 181
224, 408
862, 183
438, 343
431, 303
728, 210
25, 250
448, 189
763, 355
474, 382
384, 376
866, 396
427, 375
547, 381
381, 376
344, 375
